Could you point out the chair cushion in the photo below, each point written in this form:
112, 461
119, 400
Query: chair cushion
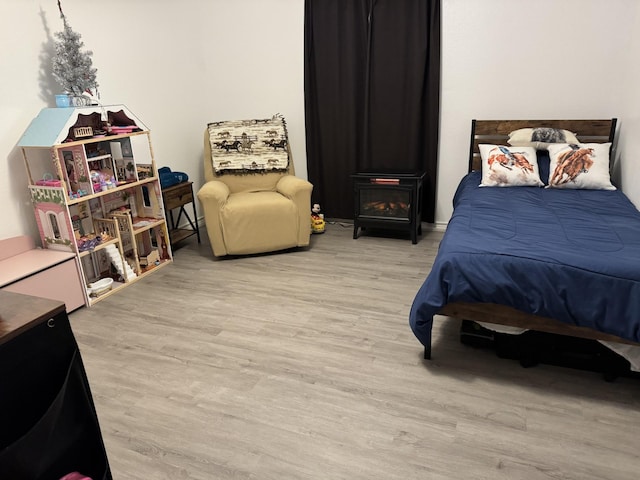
253, 182
258, 221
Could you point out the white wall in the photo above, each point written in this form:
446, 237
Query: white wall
629, 157
508, 59
179, 65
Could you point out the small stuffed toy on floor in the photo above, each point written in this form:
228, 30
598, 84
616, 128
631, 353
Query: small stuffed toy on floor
317, 219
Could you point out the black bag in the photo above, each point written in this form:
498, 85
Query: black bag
49, 425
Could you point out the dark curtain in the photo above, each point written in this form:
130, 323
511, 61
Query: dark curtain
372, 95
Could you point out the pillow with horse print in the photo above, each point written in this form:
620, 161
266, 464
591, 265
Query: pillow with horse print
541, 137
504, 166
582, 165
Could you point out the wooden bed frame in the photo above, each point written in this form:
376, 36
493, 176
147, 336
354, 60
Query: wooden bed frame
497, 132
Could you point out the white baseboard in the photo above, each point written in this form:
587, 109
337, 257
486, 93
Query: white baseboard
436, 227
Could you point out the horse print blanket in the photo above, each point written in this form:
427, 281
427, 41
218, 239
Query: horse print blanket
246, 146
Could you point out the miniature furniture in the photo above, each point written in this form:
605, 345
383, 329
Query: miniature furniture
96, 193
254, 212
49, 423
45, 273
176, 197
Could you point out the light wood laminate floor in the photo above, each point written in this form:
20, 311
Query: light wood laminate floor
302, 365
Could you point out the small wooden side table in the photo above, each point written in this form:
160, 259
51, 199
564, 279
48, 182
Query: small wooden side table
176, 197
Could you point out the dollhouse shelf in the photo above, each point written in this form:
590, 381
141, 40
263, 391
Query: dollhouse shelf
143, 224
110, 137
99, 157
119, 188
101, 186
100, 246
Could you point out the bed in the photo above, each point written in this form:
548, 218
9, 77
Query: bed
558, 260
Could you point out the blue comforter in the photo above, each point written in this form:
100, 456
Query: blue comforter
571, 255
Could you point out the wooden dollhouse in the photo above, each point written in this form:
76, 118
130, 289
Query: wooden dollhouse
96, 192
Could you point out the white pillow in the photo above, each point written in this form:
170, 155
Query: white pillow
540, 138
509, 166
583, 165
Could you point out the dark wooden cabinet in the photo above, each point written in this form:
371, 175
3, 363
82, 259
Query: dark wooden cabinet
48, 418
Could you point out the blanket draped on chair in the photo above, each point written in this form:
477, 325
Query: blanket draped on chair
246, 146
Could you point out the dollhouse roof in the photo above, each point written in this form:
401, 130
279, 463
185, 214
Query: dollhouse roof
51, 126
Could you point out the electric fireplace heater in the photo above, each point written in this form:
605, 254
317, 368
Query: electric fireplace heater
388, 201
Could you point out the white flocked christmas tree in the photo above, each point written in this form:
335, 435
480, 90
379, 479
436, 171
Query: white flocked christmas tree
72, 67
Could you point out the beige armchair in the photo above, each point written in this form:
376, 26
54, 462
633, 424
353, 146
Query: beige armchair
256, 212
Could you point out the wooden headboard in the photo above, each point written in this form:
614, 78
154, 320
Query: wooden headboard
497, 132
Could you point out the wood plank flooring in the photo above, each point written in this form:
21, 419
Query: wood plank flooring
302, 365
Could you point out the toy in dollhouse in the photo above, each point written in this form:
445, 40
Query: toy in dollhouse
78, 229
103, 180
103, 232
144, 171
125, 167
124, 172
101, 170
150, 260
76, 179
91, 240
71, 173
131, 172
154, 250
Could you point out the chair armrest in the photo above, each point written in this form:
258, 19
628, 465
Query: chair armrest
291, 187
213, 195
299, 192
215, 191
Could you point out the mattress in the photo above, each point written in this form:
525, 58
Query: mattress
571, 255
